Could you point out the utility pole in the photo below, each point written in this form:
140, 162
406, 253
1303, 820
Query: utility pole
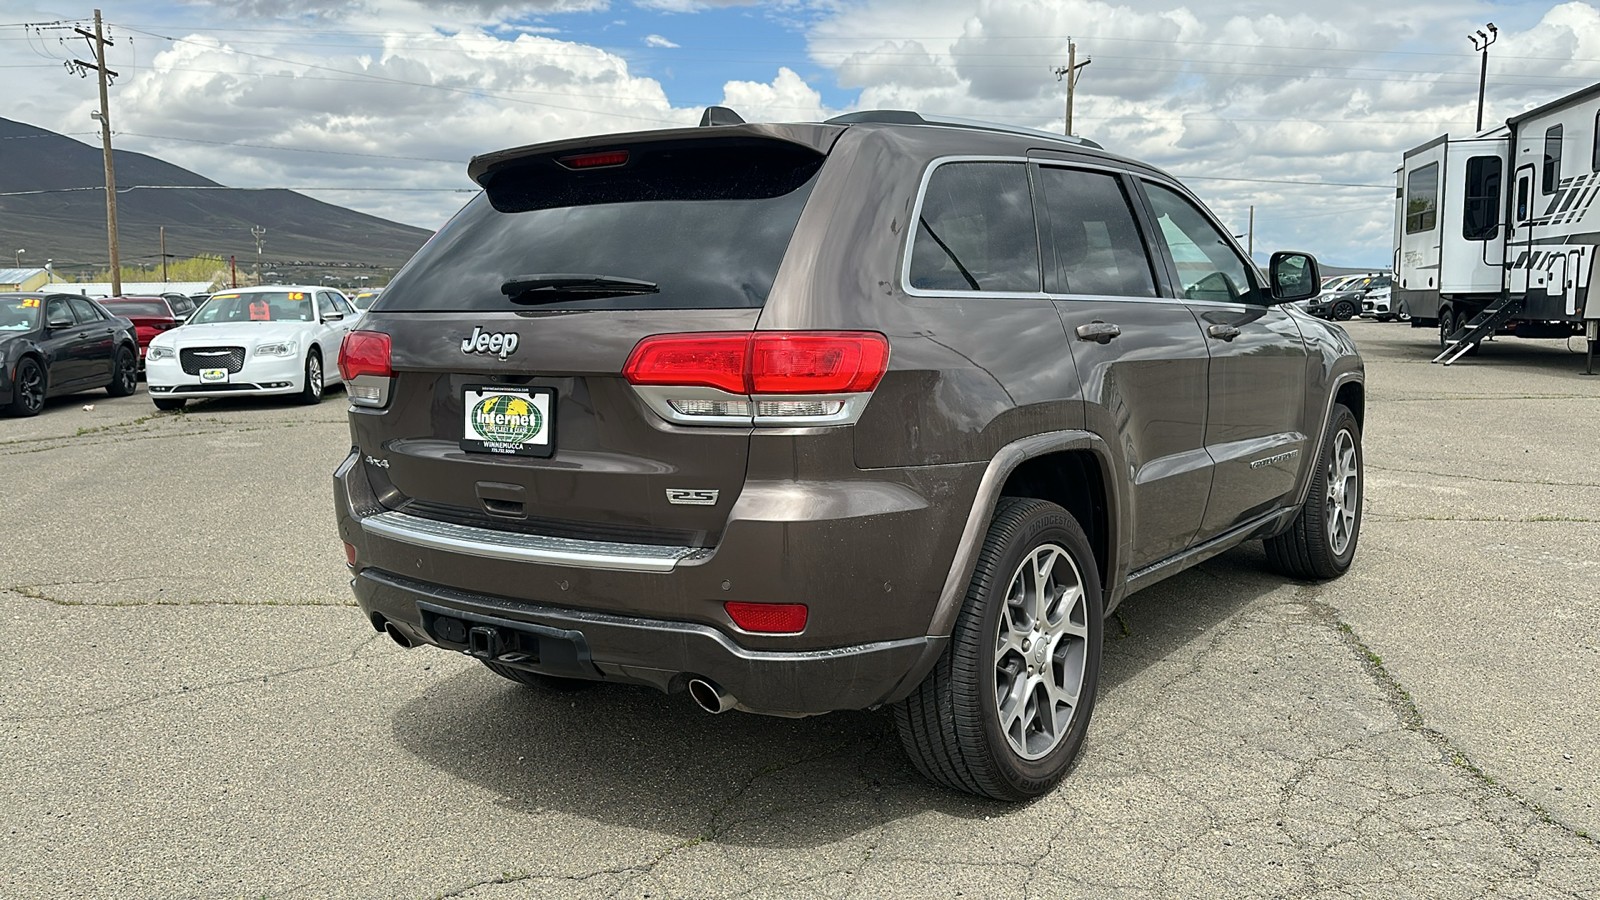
1070, 73
1251, 231
1480, 43
163, 254
98, 43
260, 236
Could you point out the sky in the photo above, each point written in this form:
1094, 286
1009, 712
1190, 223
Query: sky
1300, 110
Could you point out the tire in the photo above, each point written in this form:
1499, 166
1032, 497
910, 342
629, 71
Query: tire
1404, 316
29, 385
311, 394
1344, 311
1447, 327
1322, 541
125, 377
951, 725
168, 404
537, 680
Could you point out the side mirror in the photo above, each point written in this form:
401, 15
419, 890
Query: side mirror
333, 317
1294, 276
60, 321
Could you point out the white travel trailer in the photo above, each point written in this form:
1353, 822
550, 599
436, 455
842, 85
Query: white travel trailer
1496, 233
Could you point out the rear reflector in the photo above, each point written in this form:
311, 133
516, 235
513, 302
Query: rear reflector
768, 618
350, 554
595, 160
771, 362
365, 353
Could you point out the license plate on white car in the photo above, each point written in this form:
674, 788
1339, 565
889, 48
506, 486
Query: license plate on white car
518, 421
213, 375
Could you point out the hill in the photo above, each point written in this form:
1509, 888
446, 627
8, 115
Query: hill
70, 226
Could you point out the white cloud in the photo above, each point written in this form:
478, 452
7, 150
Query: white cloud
656, 40
1231, 88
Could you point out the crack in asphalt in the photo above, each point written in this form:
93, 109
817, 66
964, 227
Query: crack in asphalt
37, 592
1529, 520
1468, 476
1410, 715
200, 688
102, 437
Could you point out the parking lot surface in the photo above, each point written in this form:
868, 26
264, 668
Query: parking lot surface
193, 707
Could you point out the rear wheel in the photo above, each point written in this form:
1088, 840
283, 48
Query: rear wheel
125, 378
1005, 710
27, 388
1322, 541
168, 404
537, 680
312, 393
1447, 327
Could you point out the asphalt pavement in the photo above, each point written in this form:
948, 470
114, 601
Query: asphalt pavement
193, 707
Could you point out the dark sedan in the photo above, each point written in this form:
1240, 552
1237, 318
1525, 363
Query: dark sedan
53, 344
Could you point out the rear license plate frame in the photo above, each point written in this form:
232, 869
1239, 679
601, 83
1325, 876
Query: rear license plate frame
537, 441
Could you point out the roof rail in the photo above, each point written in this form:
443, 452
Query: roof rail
907, 117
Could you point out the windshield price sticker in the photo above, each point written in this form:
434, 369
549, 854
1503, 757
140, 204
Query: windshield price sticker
30, 303
297, 295
513, 421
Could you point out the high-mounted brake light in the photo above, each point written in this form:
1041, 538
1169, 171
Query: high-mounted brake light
364, 353
599, 160
768, 618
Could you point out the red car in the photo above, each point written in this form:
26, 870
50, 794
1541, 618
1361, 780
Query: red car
150, 317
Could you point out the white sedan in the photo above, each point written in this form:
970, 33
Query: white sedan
251, 341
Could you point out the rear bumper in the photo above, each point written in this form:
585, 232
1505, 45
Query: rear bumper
870, 565
661, 654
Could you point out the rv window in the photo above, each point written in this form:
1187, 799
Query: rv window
1422, 198
1479, 221
1552, 160
1523, 182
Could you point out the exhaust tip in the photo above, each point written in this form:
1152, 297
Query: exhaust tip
397, 635
709, 697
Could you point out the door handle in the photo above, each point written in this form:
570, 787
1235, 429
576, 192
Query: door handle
1224, 332
1099, 332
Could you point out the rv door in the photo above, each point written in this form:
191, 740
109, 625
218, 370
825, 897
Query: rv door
1418, 229
1519, 237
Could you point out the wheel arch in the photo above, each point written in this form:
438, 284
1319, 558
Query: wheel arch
1023, 467
1077, 467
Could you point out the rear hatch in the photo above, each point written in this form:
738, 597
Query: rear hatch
499, 329
149, 317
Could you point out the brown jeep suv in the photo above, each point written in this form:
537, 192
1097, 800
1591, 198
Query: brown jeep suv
884, 411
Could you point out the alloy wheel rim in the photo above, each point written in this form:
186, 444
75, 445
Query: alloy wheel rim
314, 376
1344, 492
32, 386
1040, 651
130, 378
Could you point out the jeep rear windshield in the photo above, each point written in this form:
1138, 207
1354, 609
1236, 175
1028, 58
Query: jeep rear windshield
708, 222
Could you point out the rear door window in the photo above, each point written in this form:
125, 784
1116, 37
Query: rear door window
707, 222
1092, 235
86, 312
975, 231
1550, 176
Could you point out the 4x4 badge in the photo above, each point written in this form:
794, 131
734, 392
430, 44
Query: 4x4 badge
692, 496
502, 343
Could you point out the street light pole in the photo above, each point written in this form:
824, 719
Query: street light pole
19, 257
1480, 43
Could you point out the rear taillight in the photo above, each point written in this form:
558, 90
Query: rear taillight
768, 378
364, 365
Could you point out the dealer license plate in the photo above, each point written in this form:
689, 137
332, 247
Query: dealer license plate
510, 420
213, 375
